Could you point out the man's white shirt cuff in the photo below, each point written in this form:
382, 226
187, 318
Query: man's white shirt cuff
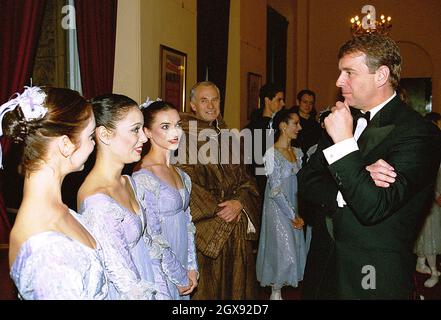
340, 150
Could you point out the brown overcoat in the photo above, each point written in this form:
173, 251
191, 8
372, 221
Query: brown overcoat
225, 254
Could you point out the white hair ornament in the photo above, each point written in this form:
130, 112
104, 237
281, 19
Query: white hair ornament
148, 102
31, 102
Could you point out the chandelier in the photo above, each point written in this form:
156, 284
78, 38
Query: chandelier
369, 24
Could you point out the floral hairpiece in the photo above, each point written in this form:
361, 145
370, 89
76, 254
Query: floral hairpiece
147, 103
31, 103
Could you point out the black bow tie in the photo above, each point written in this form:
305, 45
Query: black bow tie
358, 115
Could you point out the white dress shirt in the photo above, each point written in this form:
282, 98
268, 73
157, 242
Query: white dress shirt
345, 147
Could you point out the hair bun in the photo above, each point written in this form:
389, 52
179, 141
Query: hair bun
15, 126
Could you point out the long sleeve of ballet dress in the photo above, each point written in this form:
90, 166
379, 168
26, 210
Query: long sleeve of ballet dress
126, 255
52, 266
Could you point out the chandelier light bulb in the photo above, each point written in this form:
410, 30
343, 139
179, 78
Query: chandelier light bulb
369, 23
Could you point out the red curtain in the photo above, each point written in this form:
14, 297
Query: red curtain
96, 32
20, 27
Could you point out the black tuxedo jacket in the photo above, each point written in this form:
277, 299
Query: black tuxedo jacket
364, 250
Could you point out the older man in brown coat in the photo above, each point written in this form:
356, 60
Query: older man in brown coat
224, 203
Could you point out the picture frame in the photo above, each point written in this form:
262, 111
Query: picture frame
254, 82
173, 74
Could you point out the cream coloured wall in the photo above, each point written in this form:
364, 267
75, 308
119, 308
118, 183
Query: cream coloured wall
127, 76
316, 30
232, 109
173, 24
143, 25
289, 11
301, 40
252, 48
253, 35
324, 26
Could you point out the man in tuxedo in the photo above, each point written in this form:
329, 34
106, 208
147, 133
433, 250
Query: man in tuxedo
369, 181
271, 98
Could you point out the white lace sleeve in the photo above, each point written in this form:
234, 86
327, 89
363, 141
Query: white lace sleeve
273, 163
159, 246
192, 260
104, 220
51, 273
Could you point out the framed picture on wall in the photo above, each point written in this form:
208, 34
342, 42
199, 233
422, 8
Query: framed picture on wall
253, 86
173, 64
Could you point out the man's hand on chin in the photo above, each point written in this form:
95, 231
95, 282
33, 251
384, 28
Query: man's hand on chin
339, 122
